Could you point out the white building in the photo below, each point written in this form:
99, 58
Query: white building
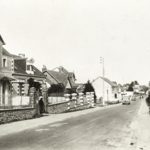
106, 89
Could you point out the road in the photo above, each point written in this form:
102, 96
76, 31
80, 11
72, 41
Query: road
100, 130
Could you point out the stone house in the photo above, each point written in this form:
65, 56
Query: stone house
6, 61
15, 72
17, 102
24, 70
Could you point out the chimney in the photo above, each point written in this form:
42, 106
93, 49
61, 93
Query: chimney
44, 68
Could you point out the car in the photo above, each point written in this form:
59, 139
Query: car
133, 98
126, 100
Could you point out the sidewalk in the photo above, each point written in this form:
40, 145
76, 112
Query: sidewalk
19, 126
141, 127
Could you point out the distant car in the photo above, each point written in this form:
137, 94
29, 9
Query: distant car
126, 100
133, 98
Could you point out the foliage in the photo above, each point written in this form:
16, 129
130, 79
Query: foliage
34, 84
56, 88
31, 82
89, 88
130, 88
144, 88
131, 85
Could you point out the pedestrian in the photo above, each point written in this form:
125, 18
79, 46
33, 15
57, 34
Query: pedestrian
148, 101
41, 105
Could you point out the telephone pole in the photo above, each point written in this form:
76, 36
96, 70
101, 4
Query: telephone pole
103, 75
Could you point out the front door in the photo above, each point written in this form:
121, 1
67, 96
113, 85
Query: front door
3, 92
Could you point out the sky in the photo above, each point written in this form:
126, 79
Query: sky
76, 33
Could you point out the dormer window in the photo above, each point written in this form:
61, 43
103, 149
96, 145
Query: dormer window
4, 62
30, 69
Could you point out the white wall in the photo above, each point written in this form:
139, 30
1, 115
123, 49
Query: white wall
55, 100
98, 86
18, 100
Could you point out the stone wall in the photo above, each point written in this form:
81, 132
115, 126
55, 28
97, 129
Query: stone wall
66, 107
16, 115
73, 104
57, 108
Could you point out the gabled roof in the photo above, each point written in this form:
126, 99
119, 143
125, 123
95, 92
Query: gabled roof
6, 53
58, 77
20, 69
61, 75
113, 84
1, 39
37, 72
20, 66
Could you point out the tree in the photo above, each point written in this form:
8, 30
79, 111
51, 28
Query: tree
89, 88
144, 88
56, 88
136, 83
131, 86
34, 84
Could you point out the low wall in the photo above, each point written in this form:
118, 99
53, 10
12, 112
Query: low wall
16, 115
55, 100
66, 107
57, 108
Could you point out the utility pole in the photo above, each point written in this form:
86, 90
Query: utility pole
103, 75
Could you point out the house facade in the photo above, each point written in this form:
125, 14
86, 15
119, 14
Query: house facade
16, 73
106, 89
25, 74
6, 61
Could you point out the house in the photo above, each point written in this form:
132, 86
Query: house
106, 89
24, 70
16, 72
5, 76
25, 74
61, 77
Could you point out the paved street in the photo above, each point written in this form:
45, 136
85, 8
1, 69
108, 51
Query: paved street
102, 129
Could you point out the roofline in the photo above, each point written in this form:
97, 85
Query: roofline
21, 74
18, 58
103, 78
2, 40
52, 76
95, 79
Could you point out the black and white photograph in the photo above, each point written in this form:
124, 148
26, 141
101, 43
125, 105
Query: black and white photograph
74, 75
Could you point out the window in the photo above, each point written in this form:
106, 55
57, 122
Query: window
4, 62
28, 67
115, 95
